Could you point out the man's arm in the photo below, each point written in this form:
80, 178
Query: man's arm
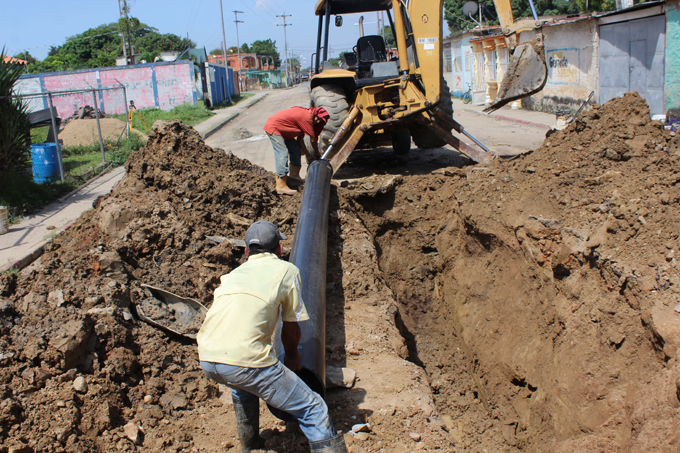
290, 337
303, 147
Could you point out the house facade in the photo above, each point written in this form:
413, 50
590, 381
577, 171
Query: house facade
608, 54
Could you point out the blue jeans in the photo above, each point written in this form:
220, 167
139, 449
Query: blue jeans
283, 148
279, 387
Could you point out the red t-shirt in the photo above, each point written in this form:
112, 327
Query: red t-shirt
292, 123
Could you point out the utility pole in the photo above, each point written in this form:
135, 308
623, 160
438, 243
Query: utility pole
381, 23
285, 39
120, 11
238, 46
224, 37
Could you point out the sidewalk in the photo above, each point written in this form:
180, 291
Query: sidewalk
529, 117
25, 240
223, 116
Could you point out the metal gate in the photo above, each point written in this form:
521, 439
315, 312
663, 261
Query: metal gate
632, 59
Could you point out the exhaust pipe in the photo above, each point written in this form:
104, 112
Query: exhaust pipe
309, 255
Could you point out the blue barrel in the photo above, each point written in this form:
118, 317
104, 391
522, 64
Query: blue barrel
45, 162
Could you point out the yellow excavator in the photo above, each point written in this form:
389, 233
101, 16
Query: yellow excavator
377, 99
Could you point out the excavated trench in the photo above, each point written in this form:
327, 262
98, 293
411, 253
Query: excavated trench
529, 340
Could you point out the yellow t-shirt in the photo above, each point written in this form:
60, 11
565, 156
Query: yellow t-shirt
239, 326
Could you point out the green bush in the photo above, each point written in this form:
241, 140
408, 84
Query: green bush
189, 114
15, 128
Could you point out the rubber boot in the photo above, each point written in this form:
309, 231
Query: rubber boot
294, 178
282, 186
248, 423
333, 445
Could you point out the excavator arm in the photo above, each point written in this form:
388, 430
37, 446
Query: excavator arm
527, 70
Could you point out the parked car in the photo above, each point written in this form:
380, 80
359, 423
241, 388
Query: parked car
304, 77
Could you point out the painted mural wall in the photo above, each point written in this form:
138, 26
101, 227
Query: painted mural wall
672, 77
571, 57
162, 85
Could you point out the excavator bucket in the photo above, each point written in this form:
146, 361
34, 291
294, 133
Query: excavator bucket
526, 75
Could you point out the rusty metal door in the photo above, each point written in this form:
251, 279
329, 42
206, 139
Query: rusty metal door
632, 59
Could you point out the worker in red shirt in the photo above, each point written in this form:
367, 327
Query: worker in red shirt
286, 130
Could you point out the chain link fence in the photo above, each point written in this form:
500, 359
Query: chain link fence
77, 134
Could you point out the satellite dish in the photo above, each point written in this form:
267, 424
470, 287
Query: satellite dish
470, 8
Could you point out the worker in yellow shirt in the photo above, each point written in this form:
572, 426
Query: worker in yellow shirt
235, 343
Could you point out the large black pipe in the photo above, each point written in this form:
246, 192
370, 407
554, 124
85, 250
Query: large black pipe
309, 255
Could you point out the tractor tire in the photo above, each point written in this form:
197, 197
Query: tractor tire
426, 139
401, 142
333, 99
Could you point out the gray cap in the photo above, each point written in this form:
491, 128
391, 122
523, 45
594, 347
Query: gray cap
263, 235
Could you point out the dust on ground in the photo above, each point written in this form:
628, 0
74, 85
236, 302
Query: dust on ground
524, 305
83, 132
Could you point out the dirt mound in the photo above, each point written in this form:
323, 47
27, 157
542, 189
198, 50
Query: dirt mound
240, 133
83, 132
539, 293
77, 365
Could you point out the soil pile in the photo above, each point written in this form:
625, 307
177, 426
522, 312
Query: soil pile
539, 293
84, 132
239, 134
77, 366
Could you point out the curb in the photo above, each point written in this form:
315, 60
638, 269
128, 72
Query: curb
228, 120
35, 253
38, 250
514, 120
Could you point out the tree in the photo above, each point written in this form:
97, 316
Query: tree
389, 37
457, 21
26, 56
267, 47
597, 5
216, 52
15, 128
99, 47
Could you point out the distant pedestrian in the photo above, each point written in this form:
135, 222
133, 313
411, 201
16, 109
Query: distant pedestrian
286, 130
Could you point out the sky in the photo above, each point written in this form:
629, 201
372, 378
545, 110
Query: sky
35, 25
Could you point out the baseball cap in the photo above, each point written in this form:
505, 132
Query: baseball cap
263, 235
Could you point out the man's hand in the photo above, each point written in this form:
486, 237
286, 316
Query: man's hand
290, 337
293, 360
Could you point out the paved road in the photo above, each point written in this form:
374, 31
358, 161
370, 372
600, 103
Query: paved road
502, 136
258, 148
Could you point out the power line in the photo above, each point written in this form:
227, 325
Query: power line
252, 11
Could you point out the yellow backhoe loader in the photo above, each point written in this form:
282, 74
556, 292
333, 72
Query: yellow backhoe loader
375, 99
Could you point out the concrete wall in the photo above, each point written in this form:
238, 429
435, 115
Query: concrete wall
571, 54
672, 76
162, 85
462, 64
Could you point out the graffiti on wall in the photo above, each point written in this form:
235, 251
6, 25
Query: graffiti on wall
564, 66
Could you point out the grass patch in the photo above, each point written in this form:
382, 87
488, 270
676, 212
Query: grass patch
19, 192
189, 114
